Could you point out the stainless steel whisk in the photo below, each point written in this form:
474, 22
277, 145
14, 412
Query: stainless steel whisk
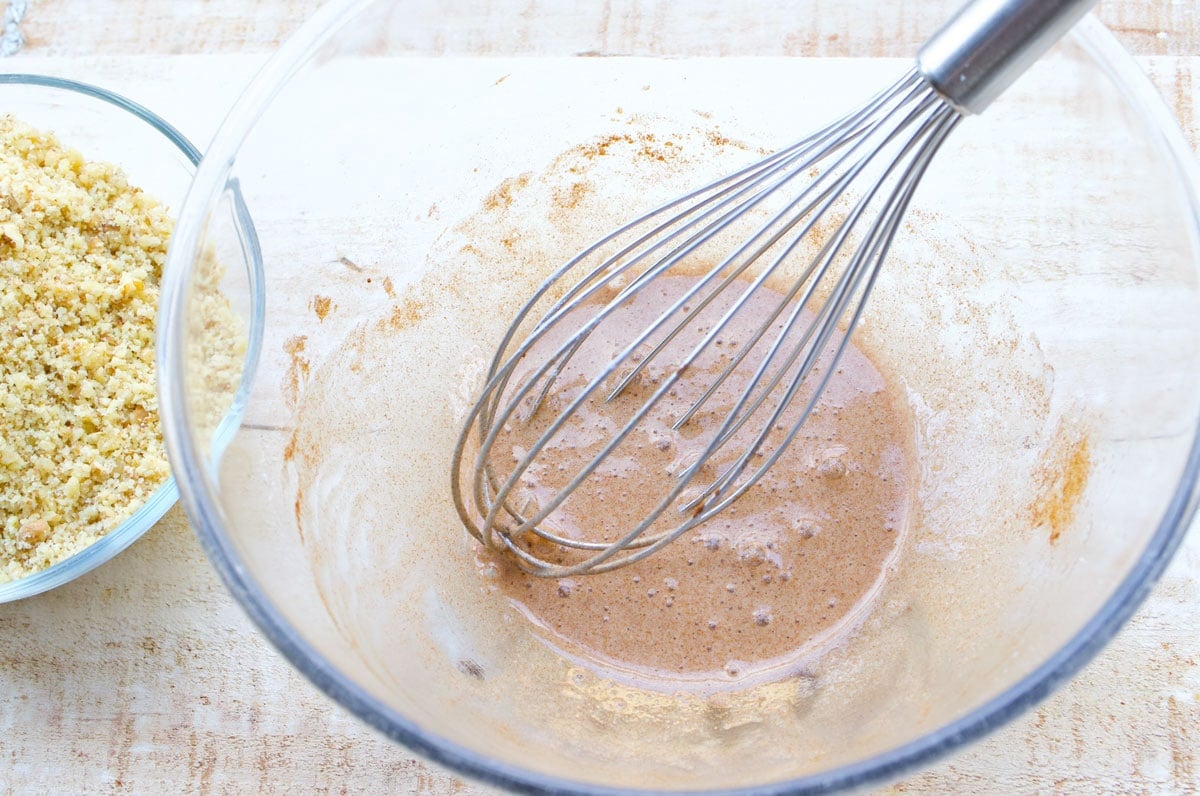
861, 171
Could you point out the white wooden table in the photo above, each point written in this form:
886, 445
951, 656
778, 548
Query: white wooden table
145, 677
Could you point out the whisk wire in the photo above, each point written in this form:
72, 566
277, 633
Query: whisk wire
840, 132
673, 257
880, 238
853, 143
750, 177
831, 309
822, 259
961, 69
827, 194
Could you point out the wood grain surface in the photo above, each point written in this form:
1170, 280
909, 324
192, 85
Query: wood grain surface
139, 27
145, 676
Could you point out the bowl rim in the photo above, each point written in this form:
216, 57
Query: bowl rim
151, 511
204, 509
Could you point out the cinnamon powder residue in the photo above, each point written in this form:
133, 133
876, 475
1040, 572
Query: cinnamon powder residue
298, 367
322, 306
1063, 476
567, 199
717, 138
644, 145
411, 309
502, 197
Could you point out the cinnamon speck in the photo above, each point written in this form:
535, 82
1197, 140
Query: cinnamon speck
1063, 474
502, 197
298, 366
716, 137
411, 309
568, 198
322, 306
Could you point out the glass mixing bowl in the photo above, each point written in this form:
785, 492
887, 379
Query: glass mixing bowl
413, 169
105, 127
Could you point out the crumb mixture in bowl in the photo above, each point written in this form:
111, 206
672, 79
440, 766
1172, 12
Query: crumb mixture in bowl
81, 255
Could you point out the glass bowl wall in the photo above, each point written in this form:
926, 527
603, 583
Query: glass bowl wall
413, 169
110, 128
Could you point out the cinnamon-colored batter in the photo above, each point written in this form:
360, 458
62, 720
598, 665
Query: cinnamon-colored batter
777, 576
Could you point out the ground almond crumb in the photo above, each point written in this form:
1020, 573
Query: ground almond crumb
81, 254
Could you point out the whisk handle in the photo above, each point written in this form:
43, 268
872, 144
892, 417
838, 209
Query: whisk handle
988, 44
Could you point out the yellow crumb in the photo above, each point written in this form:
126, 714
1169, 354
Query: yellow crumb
81, 254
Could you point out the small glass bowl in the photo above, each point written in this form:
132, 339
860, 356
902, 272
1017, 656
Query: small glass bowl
104, 127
